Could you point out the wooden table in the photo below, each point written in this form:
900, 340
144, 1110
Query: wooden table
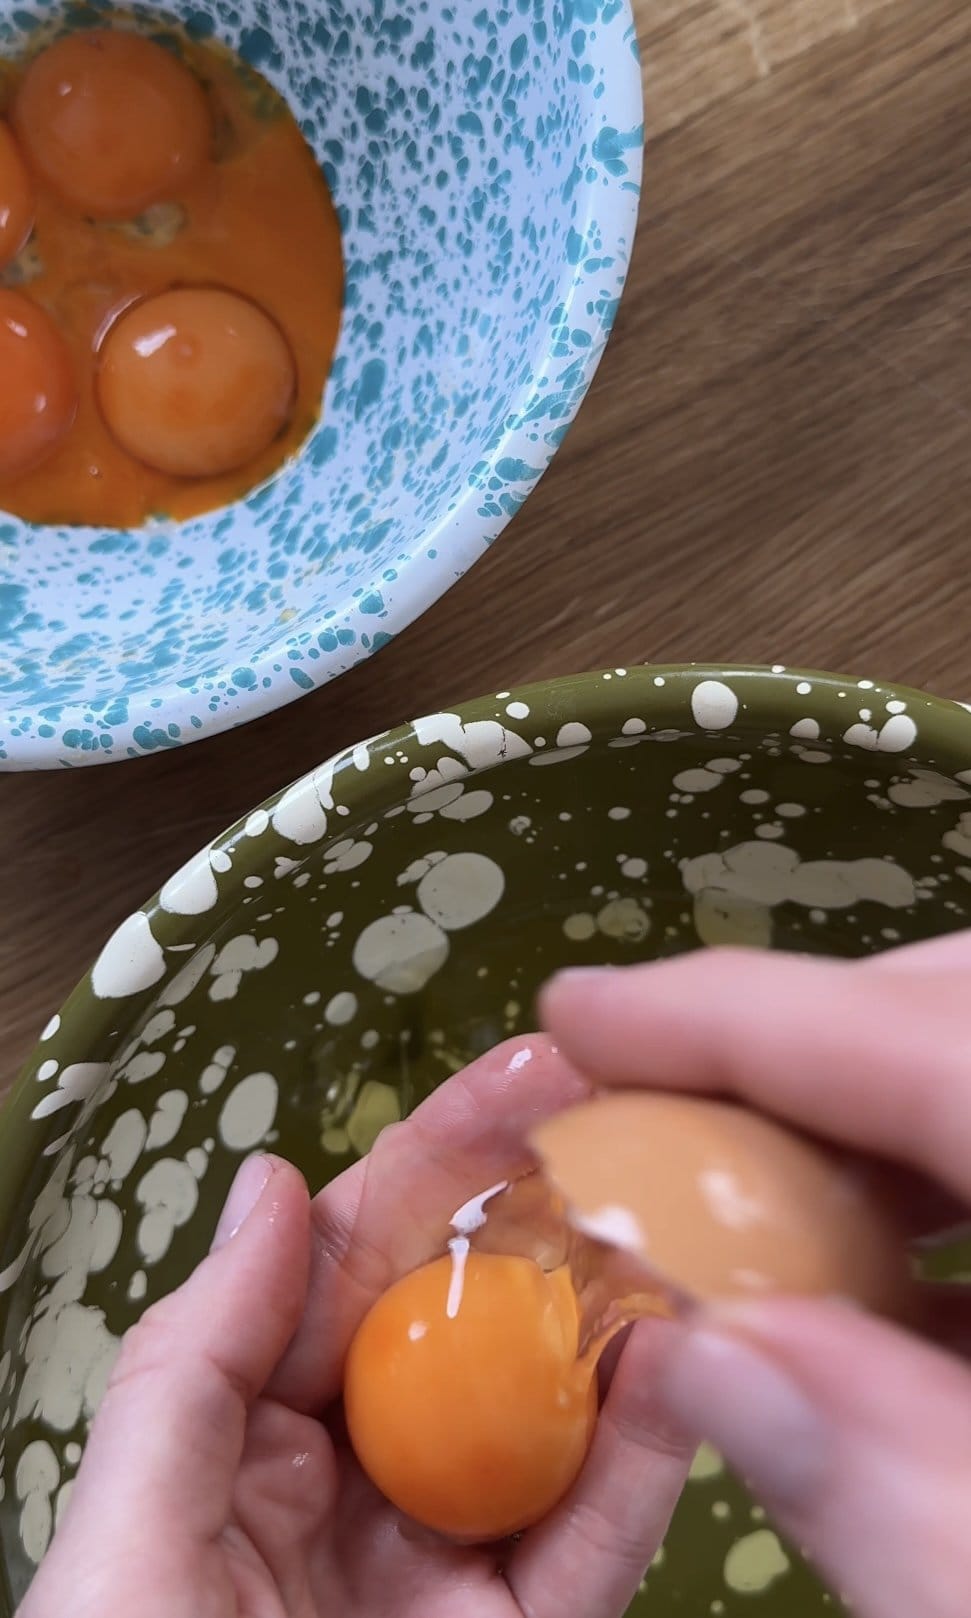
774, 462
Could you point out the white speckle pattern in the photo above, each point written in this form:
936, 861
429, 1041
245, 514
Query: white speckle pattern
760, 874
257, 822
214, 1073
346, 855
925, 789
167, 1195
573, 734
301, 814
249, 1112
341, 1009
182, 984
124, 1144
377, 1106
706, 1464
130, 961
625, 920
714, 705
243, 954
958, 840
193, 890
461, 890
897, 735
754, 1563
76, 1084
697, 780
468, 807
167, 1120
37, 1477
401, 953
580, 927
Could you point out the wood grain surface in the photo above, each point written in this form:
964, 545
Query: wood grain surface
774, 463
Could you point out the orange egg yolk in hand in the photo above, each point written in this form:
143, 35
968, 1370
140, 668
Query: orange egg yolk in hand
112, 122
16, 199
196, 382
38, 393
475, 1422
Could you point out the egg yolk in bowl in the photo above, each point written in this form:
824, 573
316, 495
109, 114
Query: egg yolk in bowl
171, 279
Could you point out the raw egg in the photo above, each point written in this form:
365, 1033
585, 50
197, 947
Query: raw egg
112, 122
465, 1402
135, 170
16, 199
38, 393
721, 1201
196, 382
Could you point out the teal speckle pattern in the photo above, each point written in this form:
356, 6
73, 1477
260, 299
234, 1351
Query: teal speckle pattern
485, 161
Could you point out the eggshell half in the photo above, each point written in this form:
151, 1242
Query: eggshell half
722, 1201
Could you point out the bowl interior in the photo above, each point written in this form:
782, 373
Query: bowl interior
330, 959
485, 163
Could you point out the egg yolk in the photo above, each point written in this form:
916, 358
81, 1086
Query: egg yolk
476, 1423
38, 394
196, 382
16, 199
112, 122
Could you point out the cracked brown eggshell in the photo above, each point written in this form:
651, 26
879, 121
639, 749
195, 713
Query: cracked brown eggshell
724, 1202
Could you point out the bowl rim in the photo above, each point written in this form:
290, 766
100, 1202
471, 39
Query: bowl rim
660, 694
460, 536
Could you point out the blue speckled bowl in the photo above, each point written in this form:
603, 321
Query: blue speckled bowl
486, 162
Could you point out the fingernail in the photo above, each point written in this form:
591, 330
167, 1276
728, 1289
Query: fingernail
574, 977
726, 1390
251, 1181
575, 980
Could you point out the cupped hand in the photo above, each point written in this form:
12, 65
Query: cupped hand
216, 1482
855, 1434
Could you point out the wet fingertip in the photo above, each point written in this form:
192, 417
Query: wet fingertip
252, 1178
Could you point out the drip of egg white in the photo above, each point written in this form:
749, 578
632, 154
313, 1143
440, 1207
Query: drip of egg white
465, 1222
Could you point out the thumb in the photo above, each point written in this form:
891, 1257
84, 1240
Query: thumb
166, 1443
856, 1437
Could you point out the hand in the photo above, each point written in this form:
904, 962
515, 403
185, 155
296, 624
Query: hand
854, 1434
211, 1487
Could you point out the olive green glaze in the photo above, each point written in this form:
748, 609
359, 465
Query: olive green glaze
334, 956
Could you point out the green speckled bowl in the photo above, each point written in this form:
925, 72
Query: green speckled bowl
332, 957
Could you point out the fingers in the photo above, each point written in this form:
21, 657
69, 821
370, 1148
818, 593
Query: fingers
950, 953
590, 1555
168, 1438
880, 1061
855, 1437
390, 1212
285, 1495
